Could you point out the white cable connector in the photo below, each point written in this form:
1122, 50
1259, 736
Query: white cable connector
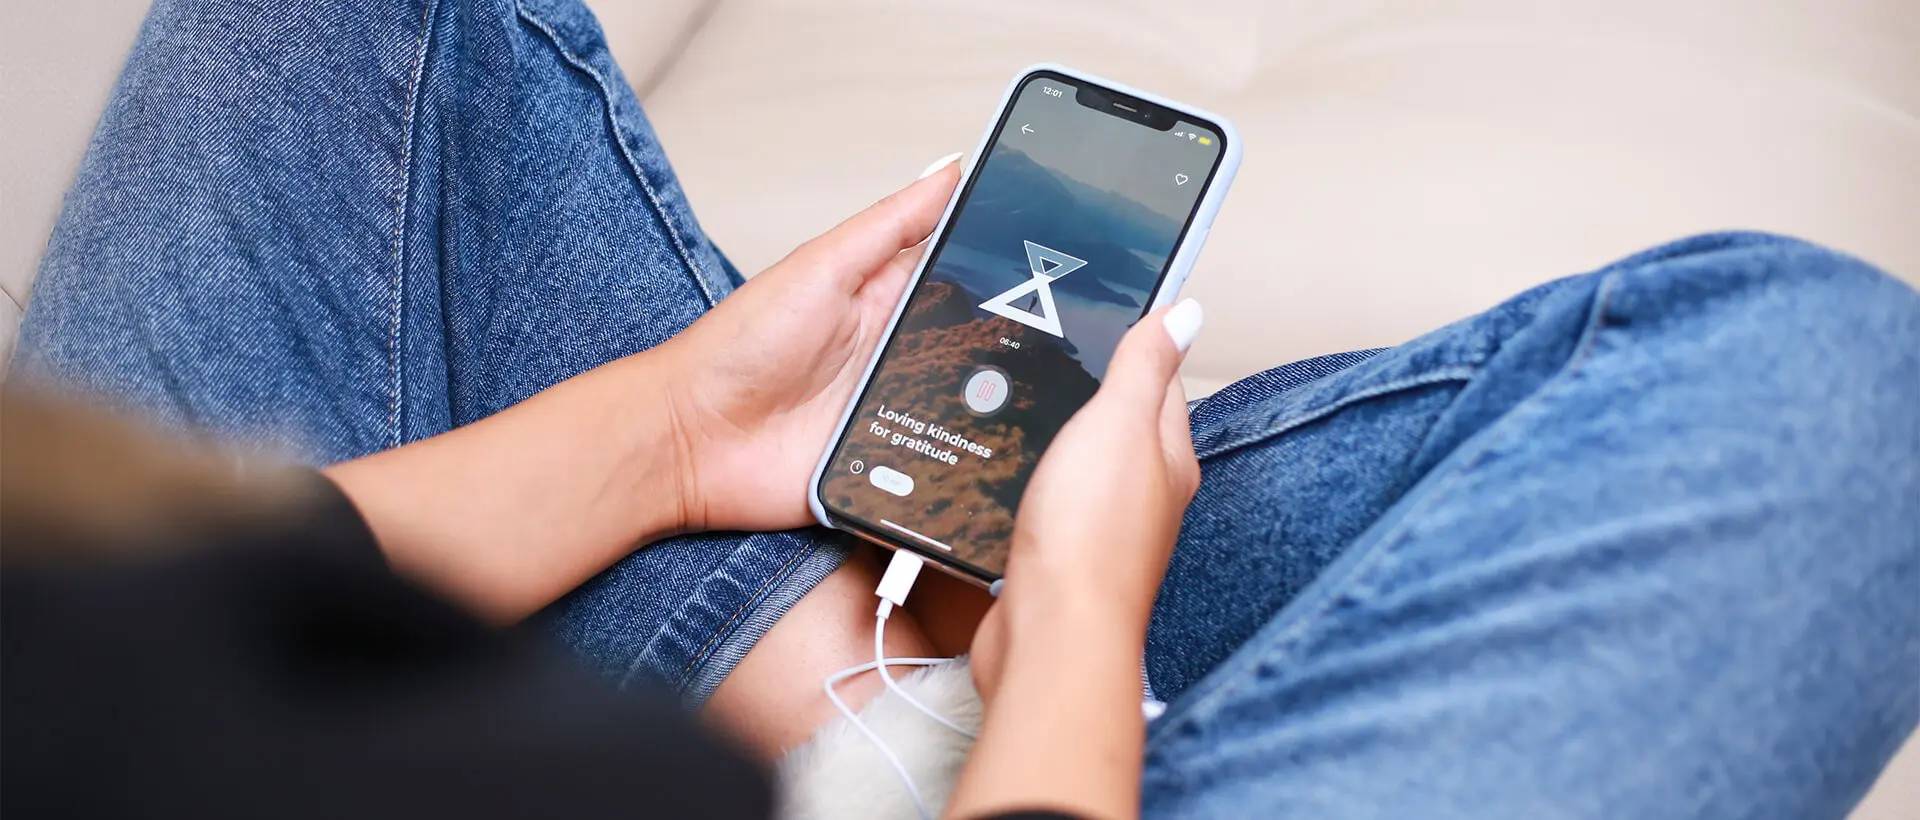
893, 589
898, 580
895, 583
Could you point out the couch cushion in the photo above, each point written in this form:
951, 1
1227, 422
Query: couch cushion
1407, 163
60, 61
651, 34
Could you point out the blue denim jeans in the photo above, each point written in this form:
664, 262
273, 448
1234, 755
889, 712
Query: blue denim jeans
1640, 542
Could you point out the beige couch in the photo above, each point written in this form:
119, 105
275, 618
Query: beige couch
1408, 161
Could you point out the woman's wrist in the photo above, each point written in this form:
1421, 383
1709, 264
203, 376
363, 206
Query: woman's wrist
1074, 608
653, 456
587, 470
1070, 590
1062, 727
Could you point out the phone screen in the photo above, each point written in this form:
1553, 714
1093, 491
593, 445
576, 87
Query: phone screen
1054, 250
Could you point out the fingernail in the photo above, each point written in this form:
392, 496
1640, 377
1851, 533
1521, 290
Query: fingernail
1183, 323
939, 164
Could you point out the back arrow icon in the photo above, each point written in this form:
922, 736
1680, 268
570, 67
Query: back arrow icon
1026, 128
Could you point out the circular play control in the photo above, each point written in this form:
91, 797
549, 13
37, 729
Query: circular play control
986, 391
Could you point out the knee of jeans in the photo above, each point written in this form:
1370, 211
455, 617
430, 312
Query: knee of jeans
1787, 299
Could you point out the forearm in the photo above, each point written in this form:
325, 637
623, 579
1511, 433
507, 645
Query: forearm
509, 513
1063, 730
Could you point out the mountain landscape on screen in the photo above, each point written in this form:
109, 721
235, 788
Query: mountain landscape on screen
947, 344
1018, 200
945, 337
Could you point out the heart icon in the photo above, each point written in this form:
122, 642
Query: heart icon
1179, 179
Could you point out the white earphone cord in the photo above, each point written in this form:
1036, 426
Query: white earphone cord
880, 654
899, 768
894, 585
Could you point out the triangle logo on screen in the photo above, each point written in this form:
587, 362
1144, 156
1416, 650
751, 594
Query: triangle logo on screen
1046, 264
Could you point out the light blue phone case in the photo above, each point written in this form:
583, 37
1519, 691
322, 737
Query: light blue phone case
1183, 255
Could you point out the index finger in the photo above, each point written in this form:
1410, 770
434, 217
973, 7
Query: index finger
866, 241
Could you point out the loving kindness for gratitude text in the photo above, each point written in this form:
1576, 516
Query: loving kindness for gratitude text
901, 429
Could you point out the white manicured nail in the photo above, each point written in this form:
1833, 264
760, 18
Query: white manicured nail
939, 164
1183, 323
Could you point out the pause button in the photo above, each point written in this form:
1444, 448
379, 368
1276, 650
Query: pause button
986, 391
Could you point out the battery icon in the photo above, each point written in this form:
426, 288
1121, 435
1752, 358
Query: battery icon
1206, 141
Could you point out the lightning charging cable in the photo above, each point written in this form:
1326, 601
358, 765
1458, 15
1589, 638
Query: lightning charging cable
894, 586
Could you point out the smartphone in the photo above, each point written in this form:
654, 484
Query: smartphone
1083, 208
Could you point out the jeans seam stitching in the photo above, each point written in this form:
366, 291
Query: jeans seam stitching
1371, 561
633, 165
738, 613
1456, 373
401, 199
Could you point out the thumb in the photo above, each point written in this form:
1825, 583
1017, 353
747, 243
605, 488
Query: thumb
865, 242
1149, 356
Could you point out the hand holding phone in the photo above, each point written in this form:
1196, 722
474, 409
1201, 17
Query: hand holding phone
1057, 659
756, 383
1099, 519
1084, 209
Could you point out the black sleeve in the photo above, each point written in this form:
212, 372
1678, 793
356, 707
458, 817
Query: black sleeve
285, 672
